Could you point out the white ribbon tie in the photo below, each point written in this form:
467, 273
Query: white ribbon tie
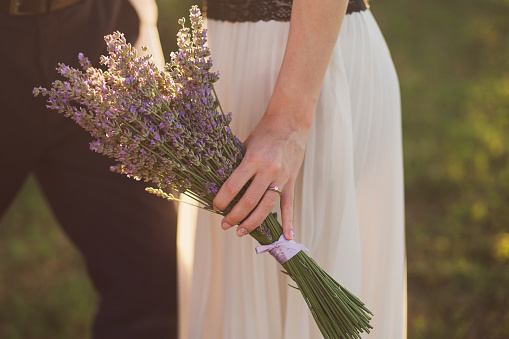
282, 250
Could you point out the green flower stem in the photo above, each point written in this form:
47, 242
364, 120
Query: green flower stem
327, 300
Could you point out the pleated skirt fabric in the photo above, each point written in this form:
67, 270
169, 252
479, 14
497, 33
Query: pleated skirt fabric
349, 208
148, 34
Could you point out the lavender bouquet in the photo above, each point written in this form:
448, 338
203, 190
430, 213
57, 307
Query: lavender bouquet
167, 127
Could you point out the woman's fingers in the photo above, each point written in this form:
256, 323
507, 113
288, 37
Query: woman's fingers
249, 202
267, 203
287, 211
273, 157
232, 186
265, 207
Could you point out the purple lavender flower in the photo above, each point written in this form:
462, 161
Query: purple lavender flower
211, 188
167, 127
158, 125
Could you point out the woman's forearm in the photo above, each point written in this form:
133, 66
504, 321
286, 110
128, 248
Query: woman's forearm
275, 147
314, 30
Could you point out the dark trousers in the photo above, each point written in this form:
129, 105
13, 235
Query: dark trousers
126, 235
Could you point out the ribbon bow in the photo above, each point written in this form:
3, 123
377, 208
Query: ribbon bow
282, 250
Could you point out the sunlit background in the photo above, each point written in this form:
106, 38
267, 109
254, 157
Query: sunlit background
452, 59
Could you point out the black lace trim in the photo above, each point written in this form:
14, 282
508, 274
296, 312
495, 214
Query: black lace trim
261, 10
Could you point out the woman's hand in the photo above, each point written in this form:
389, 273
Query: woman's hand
274, 154
275, 148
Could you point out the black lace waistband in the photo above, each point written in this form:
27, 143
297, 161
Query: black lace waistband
261, 10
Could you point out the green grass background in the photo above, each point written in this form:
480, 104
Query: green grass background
452, 60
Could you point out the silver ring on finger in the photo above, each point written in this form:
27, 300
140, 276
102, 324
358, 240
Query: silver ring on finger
275, 189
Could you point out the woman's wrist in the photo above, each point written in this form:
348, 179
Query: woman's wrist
294, 111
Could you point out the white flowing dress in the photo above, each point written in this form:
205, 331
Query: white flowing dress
348, 200
148, 34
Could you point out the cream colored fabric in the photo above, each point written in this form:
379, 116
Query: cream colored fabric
148, 34
349, 195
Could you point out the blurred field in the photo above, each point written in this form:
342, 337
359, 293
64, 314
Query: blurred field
452, 59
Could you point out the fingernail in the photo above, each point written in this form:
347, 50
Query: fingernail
242, 232
290, 235
225, 225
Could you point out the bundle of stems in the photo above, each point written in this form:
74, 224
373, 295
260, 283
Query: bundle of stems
167, 127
